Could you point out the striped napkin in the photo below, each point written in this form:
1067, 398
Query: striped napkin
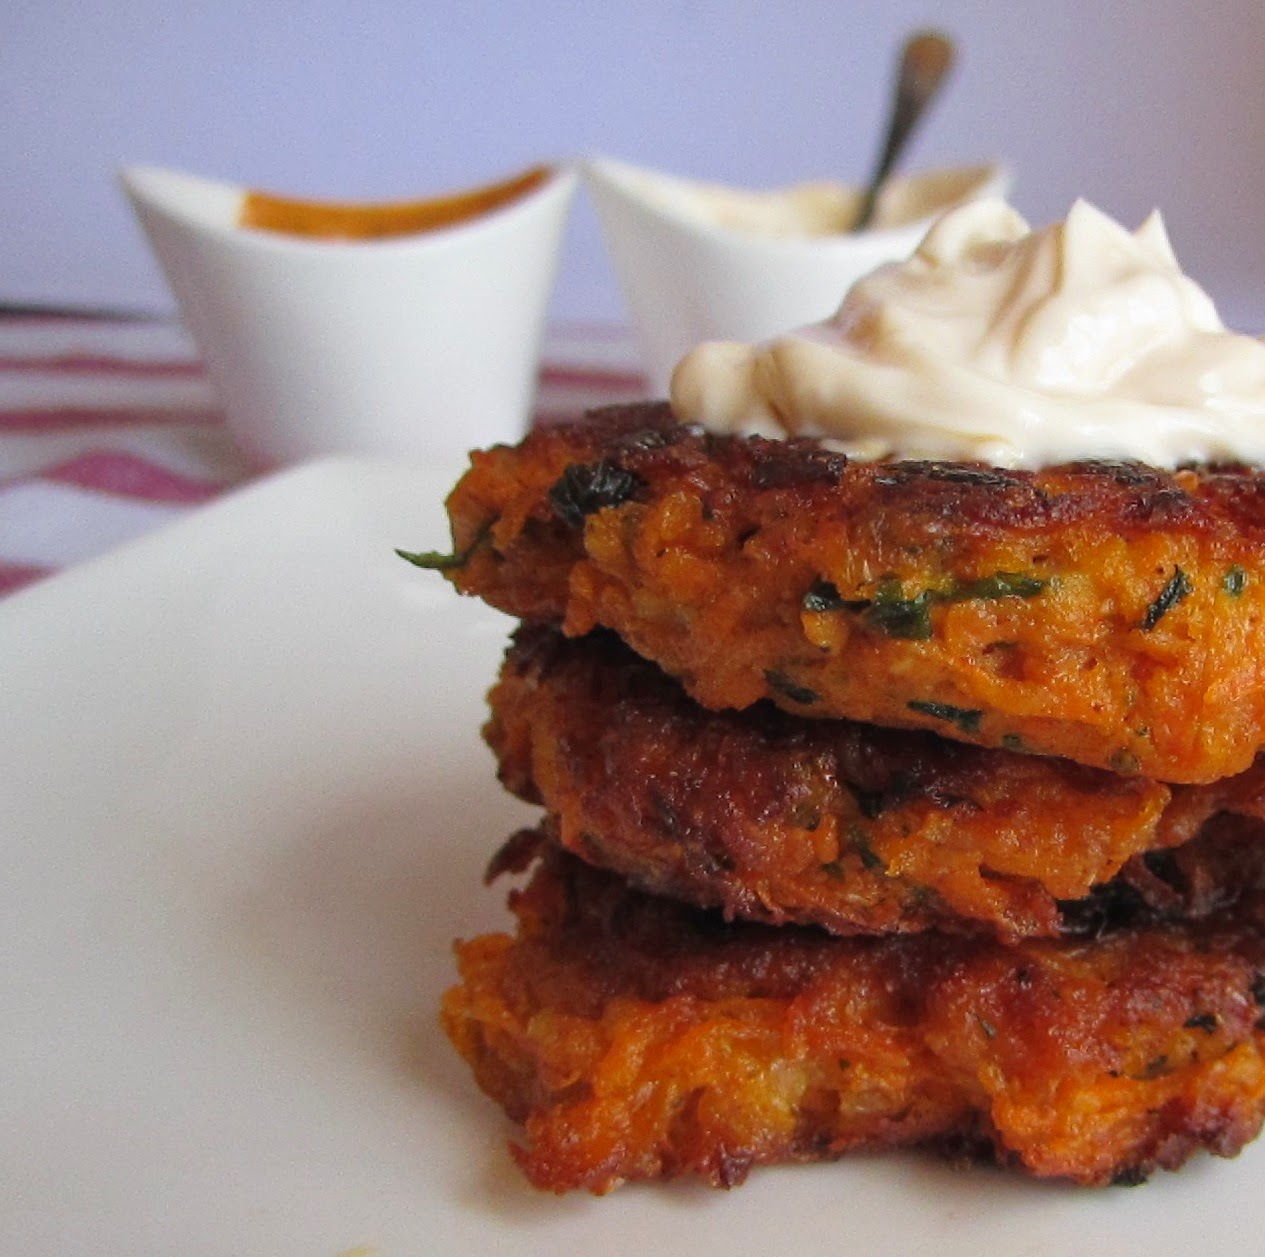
109, 428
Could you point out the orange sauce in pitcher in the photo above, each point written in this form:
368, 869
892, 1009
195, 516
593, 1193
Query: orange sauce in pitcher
348, 220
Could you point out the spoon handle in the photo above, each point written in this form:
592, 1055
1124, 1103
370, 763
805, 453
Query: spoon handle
925, 61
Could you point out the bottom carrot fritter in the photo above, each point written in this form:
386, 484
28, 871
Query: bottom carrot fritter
637, 1038
780, 818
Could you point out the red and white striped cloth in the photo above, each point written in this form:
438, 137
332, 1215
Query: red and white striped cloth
109, 428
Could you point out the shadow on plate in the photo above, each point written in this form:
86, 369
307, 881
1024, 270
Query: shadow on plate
356, 917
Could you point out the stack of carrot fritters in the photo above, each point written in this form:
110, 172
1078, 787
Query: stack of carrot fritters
882, 803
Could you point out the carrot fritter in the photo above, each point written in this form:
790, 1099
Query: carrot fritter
636, 1038
1106, 612
862, 830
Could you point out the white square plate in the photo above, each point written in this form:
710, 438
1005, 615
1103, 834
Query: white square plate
244, 810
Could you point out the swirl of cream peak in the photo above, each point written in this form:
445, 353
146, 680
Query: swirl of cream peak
1004, 345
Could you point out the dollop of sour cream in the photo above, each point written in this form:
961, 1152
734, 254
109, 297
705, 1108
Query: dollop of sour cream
1005, 345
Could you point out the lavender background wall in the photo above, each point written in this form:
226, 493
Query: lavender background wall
1132, 104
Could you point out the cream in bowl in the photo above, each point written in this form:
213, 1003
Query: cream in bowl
703, 261
406, 328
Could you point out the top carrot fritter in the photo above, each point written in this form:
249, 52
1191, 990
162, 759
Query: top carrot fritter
1106, 612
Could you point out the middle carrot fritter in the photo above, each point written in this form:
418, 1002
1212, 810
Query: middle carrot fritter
858, 829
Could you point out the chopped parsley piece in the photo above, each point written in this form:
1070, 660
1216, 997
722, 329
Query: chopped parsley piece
1234, 580
789, 689
433, 560
586, 488
823, 595
910, 618
437, 561
1178, 587
999, 585
965, 718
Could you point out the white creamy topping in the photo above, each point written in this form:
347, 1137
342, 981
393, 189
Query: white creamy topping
1013, 347
812, 209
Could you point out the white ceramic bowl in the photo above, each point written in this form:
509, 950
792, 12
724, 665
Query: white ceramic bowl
417, 345
688, 278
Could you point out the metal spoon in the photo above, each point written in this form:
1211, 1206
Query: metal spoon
925, 60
